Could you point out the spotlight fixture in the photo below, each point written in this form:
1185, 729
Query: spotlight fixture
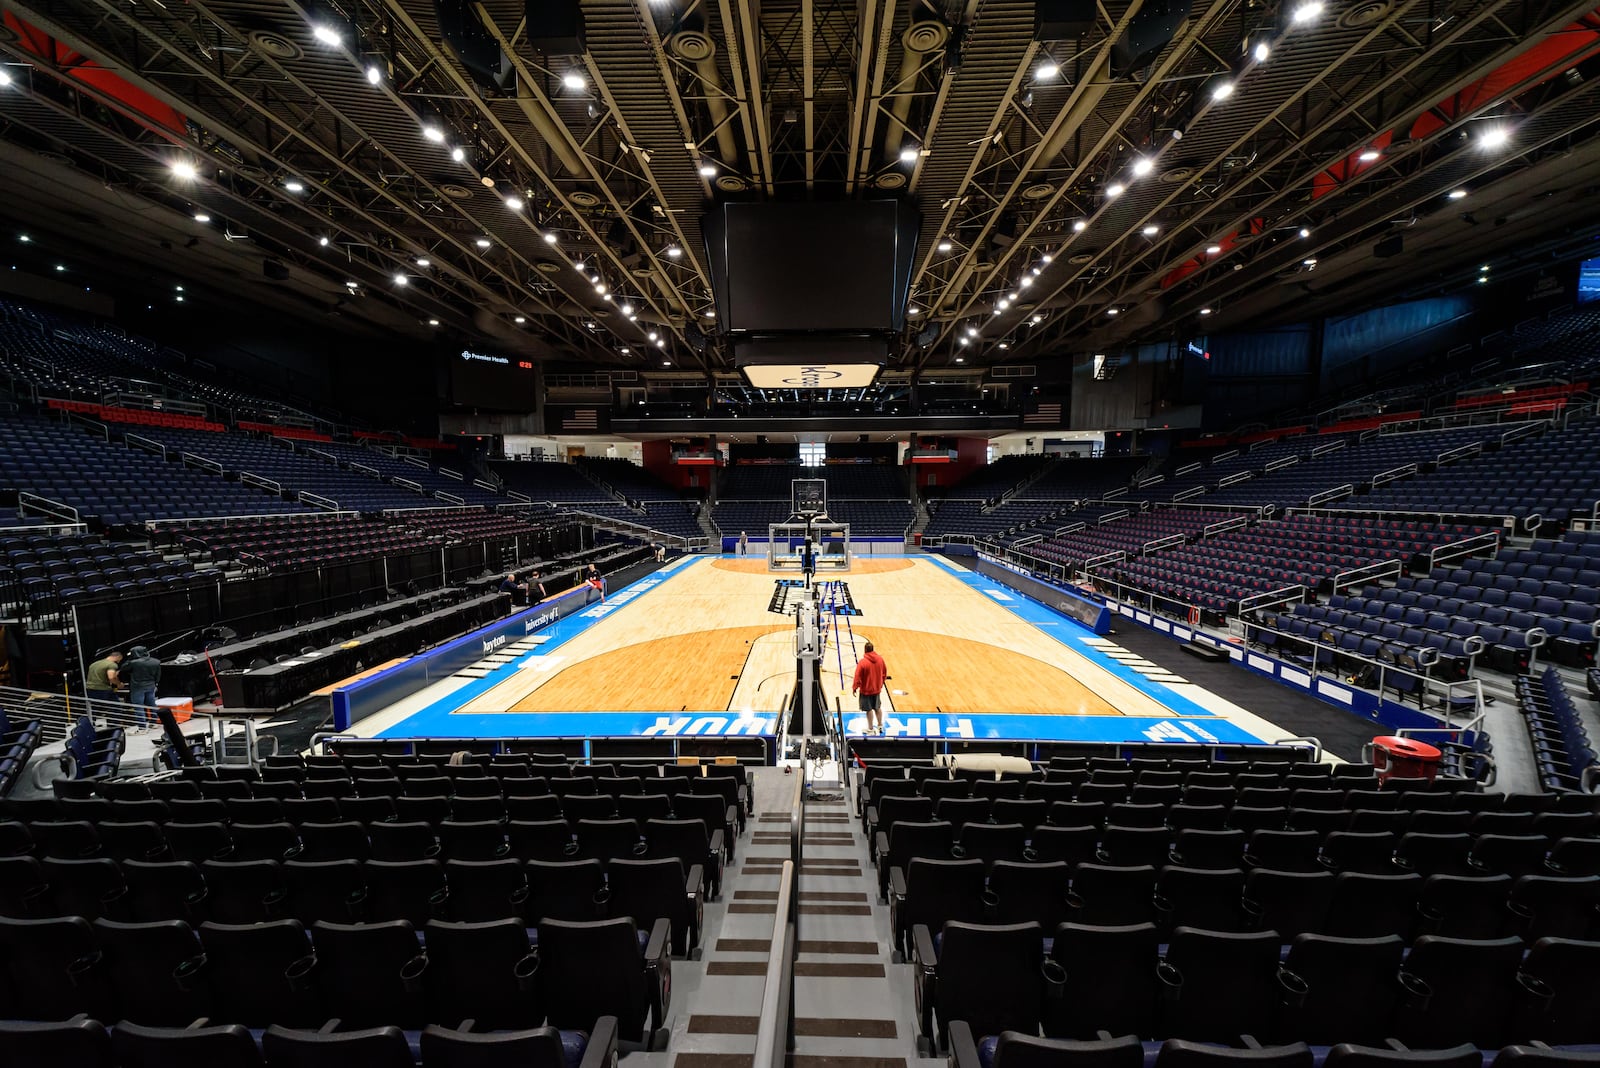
674, 252
5, 77
1205, 311
352, 285
707, 171
374, 74
423, 261
625, 308
1111, 311
1262, 50
1115, 189
1143, 166
654, 336
913, 310
327, 35
1025, 281
322, 241
61, 266
294, 185
183, 170
909, 152
551, 237
400, 279
433, 133
433, 322
1369, 156
514, 202
484, 242
1045, 257
962, 340
1305, 232
1036, 320
1493, 137
199, 217
1457, 194
1309, 262
961, 359
1152, 230
945, 246
1222, 90
1307, 11
519, 320
575, 80
1046, 71
1080, 226
458, 154
1212, 250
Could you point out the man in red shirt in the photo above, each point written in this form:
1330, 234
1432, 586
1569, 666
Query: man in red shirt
870, 673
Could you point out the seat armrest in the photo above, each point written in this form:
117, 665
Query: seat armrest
963, 1049
658, 971
601, 1052
897, 883
881, 844
922, 945
693, 882
731, 817
719, 845
659, 946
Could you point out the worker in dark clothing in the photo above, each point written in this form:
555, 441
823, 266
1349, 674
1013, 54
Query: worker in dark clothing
143, 674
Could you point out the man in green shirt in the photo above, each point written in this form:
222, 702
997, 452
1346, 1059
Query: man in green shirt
102, 678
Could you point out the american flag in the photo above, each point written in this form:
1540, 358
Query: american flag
581, 419
1045, 413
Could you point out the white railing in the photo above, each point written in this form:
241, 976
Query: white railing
1163, 543
139, 441
1440, 555
457, 475
370, 472
523, 497
1152, 481
1189, 494
1237, 477
320, 501
1281, 462
1338, 493
202, 463
1375, 572
1186, 468
414, 462
489, 486
1403, 471
32, 502
415, 487
1103, 559
251, 479
1332, 446
1222, 526
450, 497
1272, 598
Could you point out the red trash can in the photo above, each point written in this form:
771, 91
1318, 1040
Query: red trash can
1404, 758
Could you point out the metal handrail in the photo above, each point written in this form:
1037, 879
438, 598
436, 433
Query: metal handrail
775, 1029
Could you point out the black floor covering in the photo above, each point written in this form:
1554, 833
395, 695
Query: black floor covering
1342, 733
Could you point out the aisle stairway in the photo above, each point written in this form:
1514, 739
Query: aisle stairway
853, 1006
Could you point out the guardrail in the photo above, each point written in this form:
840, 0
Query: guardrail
1383, 569
1186, 468
191, 459
1332, 446
370, 472
1455, 550
1271, 598
1163, 543
415, 487
320, 501
32, 502
1189, 494
450, 498
1102, 560
139, 441
1338, 493
1460, 452
250, 479
1235, 478
1222, 526
1281, 462
1403, 471
490, 486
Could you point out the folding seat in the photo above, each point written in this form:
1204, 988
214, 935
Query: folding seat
717, 816
1562, 1006
650, 890
154, 970
1184, 816
376, 1047
253, 809
258, 972
24, 890
930, 839
1460, 990
342, 840
1464, 907
485, 890
1574, 856
1199, 897
1248, 818
66, 839
564, 890
1514, 855
42, 969
1555, 825
1339, 988
1290, 903
1129, 814
1548, 906
1015, 810
482, 840
986, 976
893, 809
332, 890
1112, 896
1177, 1053
933, 892
1020, 892
1134, 846
1369, 906
88, 888
989, 842
1105, 793
484, 972
1434, 854
367, 974
79, 1042
1076, 814
541, 840
1071, 845
402, 841
1283, 850
590, 970
368, 810
244, 891
1218, 985
532, 807
723, 787
413, 890
264, 841
1210, 849
957, 811
575, 807
220, 1046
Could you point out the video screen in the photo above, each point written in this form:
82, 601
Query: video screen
487, 380
1589, 280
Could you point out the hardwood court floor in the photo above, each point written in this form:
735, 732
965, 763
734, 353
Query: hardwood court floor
704, 641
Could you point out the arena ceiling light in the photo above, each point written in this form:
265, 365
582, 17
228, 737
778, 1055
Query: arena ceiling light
374, 74
433, 133
1457, 194
1222, 90
674, 252
1151, 231
514, 202
1212, 250
458, 154
1369, 156
1493, 137
433, 322
1262, 50
400, 279
1306, 12
909, 152
946, 246
1305, 231
484, 242
184, 170
327, 34
1080, 226
1046, 71
5, 77
1205, 311
323, 241
1143, 166
707, 170
1115, 189
1112, 311
575, 80
199, 217
423, 261
519, 320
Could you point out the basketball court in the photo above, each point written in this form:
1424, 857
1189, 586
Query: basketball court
693, 649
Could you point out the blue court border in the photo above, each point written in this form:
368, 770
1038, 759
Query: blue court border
1188, 721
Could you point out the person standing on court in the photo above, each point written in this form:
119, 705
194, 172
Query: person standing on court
871, 671
144, 675
101, 679
744, 544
